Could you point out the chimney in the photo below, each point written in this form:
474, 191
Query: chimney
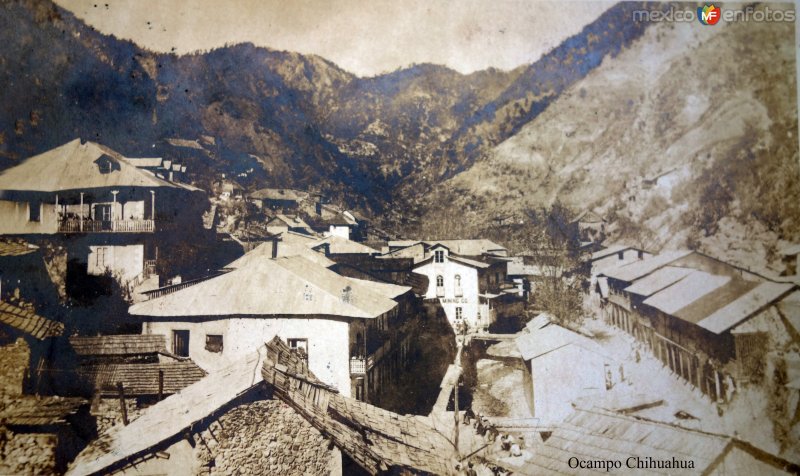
275, 240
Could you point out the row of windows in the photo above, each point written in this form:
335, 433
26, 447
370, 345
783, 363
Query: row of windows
214, 343
440, 280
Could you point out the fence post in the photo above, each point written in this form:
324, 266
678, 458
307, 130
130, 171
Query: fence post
122, 406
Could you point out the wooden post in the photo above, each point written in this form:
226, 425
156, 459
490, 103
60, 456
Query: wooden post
81, 218
122, 406
160, 385
455, 403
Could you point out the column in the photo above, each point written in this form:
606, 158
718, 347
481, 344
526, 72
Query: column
80, 218
152, 205
114, 210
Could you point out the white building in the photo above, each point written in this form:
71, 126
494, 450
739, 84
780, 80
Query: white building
343, 326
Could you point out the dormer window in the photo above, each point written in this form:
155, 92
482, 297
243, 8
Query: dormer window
438, 256
105, 164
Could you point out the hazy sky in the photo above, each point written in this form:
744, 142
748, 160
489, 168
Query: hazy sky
365, 37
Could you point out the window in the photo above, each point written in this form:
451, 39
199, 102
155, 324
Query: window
621, 255
459, 292
214, 343
34, 211
438, 256
440, 285
459, 313
300, 347
640, 254
100, 254
180, 343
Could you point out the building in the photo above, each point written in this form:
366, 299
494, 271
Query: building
563, 366
356, 335
282, 200
467, 287
281, 223
642, 446
589, 226
701, 317
107, 216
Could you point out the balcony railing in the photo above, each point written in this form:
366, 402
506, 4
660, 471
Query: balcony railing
358, 366
149, 268
107, 226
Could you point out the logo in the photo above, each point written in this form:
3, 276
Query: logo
708, 14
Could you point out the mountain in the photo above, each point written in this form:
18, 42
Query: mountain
687, 137
282, 118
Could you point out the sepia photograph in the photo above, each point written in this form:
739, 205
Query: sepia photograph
373, 237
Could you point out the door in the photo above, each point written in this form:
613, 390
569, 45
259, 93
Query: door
180, 343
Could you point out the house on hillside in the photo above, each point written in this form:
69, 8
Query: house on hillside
170, 170
109, 217
589, 226
282, 200
281, 223
686, 308
354, 334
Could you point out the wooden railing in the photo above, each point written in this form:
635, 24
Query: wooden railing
149, 268
106, 226
358, 366
154, 293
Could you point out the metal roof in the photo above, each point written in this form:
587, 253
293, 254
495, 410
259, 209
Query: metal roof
289, 286
689, 289
633, 271
73, 166
742, 308
659, 280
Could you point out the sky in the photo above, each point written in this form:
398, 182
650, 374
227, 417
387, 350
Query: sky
366, 37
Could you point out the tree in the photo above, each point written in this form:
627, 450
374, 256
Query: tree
553, 247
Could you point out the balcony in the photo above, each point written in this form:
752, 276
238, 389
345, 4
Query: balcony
358, 366
106, 226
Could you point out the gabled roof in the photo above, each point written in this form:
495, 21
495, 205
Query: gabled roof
289, 286
597, 434
73, 166
31, 410
633, 271
686, 291
28, 322
611, 250
340, 245
16, 248
458, 259
659, 280
142, 379
128, 344
285, 248
474, 247
742, 308
169, 417
293, 221
551, 337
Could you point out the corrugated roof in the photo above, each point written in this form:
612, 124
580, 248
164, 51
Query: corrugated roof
38, 411
689, 289
659, 280
27, 321
169, 417
142, 379
742, 308
73, 166
283, 286
722, 296
633, 271
127, 344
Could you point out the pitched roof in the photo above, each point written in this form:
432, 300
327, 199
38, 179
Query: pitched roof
474, 247
597, 434
633, 271
742, 308
613, 249
73, 166
341, 245
128, 344
142, 379
27, 321
551, 337
38, 411
293, 221
285, 248
689, 289
15, 248
659, 280
288, 286
142, 162
180, 410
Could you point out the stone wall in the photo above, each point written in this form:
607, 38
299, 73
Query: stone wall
24, 454
107, 412
14, 361
263, 437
